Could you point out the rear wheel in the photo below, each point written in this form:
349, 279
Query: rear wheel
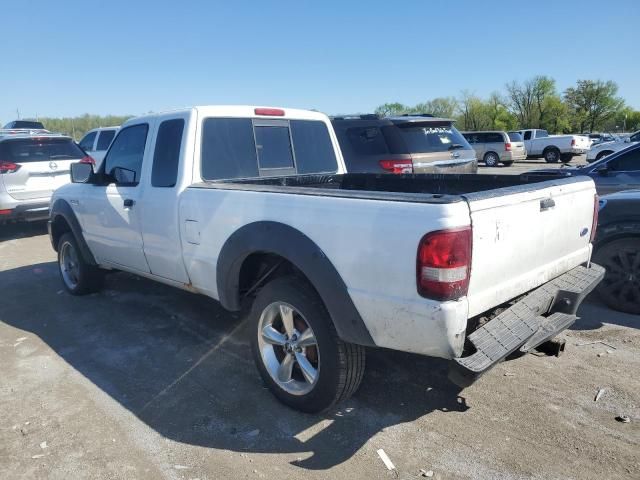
78, 277
566, 158
297, 350
551, 155
620, 288
491, 159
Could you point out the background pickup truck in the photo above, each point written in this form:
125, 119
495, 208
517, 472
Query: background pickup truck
328, 262
539, 144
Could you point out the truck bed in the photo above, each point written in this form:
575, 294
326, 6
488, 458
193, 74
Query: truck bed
421, 188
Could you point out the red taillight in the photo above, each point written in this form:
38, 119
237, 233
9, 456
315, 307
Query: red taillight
397, 166
88, 159
5, 212
594, 224
573, 142
8, 167
507, 147
271, 112
444, 264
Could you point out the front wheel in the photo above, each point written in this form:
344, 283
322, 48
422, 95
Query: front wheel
78, 277
620, 288
297, 350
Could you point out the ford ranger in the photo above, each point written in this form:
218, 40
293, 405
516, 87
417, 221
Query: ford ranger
252, 206
539, 144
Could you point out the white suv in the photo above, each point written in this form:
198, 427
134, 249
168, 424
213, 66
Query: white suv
31, 168
97, 141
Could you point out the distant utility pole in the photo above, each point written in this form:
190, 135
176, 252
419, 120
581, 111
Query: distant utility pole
18, 113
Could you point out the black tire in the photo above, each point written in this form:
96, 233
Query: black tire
620, 288
491, 159
507, 164
340, 365
566, 157
601, 155
551, 155
78, 277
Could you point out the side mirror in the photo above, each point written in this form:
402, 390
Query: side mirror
627, 140
82, 173
602, 170
124, 176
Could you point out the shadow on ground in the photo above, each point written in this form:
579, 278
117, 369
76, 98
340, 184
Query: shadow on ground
22, 230
594, 314
183, 366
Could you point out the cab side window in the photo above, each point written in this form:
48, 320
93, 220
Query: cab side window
104, 140
124, 159
167, 153
527, 135
628, 162
87, 142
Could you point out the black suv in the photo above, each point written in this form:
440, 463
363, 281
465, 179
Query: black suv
417, 143
25, 124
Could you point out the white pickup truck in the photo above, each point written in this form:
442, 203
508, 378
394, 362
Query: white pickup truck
251, 206
539, 144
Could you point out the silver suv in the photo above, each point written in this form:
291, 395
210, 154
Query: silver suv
496, 147
31, 168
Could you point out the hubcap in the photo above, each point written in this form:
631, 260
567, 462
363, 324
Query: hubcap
69, 265
622, 280
288, 348
552, 156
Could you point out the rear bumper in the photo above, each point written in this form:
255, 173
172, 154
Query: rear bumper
513, 156
28, 212
539, 316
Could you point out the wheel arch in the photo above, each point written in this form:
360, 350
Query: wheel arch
280, 241
62, 219
617, 231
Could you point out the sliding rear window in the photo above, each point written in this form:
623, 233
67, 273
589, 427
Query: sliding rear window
27, 150
228, 149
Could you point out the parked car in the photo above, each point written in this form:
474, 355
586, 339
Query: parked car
616, 172
251, 206
31, 168
25, 124
97, 141
539, 144
598, 138
617, 249
403, 144
601, 150
497, 147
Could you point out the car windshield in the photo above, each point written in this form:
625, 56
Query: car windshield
39, 150
425, 137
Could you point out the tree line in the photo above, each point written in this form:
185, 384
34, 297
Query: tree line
76, 127
588, 106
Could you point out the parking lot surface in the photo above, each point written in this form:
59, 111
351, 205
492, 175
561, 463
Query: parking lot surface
142, 381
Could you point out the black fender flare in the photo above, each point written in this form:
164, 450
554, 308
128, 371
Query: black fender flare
616, 231
61, 208
293, 245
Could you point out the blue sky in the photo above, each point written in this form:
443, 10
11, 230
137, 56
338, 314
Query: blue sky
130, 57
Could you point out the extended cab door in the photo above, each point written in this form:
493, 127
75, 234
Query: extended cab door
110, 213
159, 207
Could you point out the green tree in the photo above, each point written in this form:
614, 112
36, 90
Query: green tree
592, 103
76, 127
392, 109
529, 101
445, 107
474, 114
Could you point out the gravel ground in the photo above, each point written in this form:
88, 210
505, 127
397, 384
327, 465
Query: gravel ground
142, 381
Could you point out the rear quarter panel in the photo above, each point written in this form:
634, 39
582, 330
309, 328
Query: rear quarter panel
372, 245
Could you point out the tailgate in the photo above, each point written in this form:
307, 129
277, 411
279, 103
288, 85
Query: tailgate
526, 236
582, 142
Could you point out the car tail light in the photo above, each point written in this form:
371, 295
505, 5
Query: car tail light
507, 147
271, 112
9, 167
397, 166
88, 159
444, 264
5, 212
594, 224
573, 142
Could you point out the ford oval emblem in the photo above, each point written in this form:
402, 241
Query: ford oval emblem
53, 165
584, 231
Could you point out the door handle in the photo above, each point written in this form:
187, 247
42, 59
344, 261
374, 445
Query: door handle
128, 203
546, 204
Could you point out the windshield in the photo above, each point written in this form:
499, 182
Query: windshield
429, 137
39, 150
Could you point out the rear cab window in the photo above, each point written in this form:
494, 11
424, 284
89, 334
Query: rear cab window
245, 148
27, 150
